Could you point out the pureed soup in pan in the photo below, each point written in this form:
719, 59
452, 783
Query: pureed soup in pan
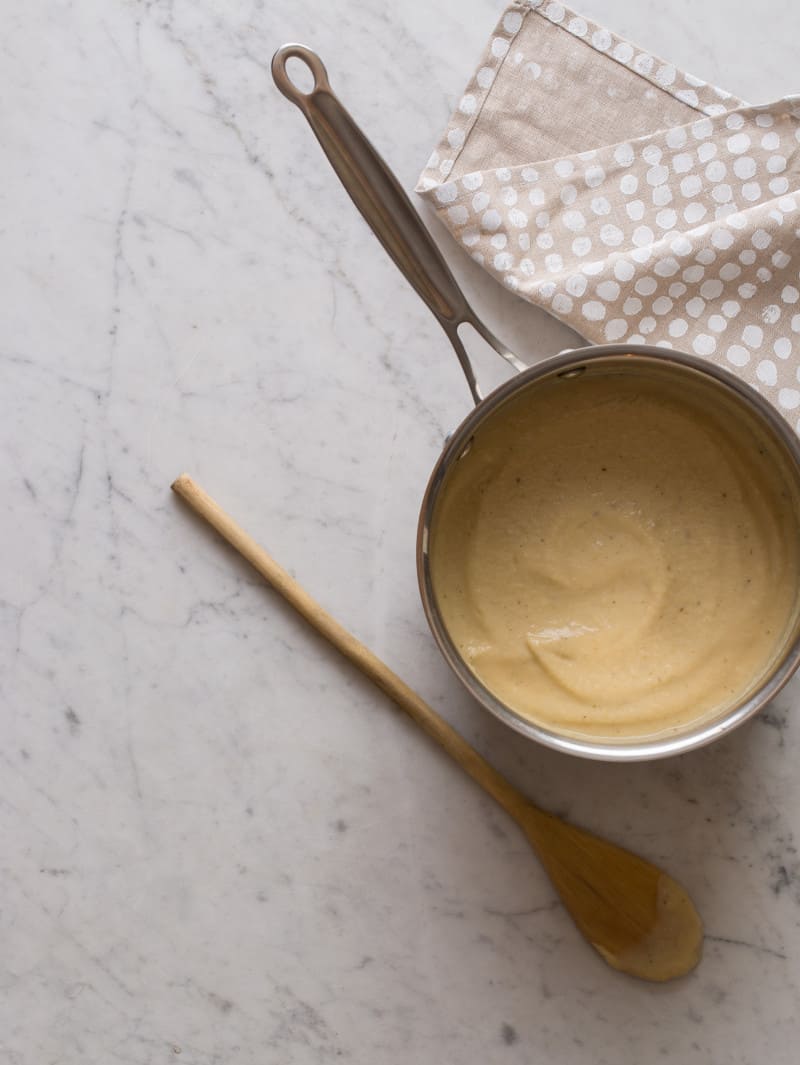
616, 555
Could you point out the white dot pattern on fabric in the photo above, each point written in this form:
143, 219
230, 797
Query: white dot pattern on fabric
629, 184
594, 176
458, 215
485, 77
662, 195
767, 372
737, 355
782, 347
512, 21
608, 290
704, 344
446, 193
685, 236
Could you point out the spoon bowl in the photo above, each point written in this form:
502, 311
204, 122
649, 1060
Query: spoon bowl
635, 915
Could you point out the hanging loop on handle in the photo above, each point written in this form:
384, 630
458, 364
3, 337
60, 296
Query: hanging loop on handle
281, 77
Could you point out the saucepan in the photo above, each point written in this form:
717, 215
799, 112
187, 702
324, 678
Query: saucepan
390, 214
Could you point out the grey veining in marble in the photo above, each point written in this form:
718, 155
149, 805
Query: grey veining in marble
218, 844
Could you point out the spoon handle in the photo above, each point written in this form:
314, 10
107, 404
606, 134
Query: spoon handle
513, 801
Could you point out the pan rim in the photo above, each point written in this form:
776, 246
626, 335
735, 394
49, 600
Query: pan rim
668, 744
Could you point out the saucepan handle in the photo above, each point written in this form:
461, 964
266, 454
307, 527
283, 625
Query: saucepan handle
380, 198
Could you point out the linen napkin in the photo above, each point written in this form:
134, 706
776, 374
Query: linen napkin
633, 201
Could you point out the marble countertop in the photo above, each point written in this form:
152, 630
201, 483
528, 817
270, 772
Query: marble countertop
219, 844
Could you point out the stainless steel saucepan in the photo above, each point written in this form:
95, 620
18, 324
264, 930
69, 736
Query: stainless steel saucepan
391, 216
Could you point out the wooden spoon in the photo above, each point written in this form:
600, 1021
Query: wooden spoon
636, 916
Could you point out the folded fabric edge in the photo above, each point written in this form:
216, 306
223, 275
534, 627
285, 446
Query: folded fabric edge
446, 193
650, 68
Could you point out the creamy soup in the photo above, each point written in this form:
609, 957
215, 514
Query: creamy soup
616, 555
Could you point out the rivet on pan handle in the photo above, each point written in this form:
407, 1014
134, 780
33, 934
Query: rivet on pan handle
384, 205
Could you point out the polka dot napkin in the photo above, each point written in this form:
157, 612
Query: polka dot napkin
629, 199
